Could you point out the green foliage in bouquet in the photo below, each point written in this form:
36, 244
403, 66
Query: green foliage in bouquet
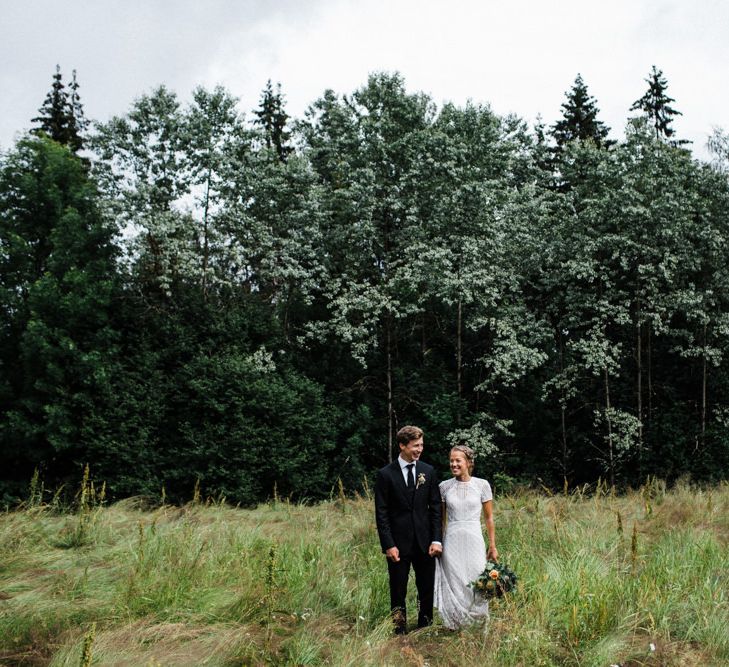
496, 580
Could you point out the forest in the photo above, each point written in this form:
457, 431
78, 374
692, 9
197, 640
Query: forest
195, 300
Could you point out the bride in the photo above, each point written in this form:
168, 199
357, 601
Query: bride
464, 551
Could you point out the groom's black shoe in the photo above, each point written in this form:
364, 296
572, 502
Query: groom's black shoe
399, 620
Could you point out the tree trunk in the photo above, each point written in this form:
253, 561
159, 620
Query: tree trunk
287, 305
459, 358
611, 452
477, 397
423, 342
650, 374
703, 393
563, 408
564, 442
639, 382
389, 392
206, 242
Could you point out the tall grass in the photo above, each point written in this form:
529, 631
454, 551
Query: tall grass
639, 579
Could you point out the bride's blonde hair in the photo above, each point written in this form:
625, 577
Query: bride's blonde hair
468, 453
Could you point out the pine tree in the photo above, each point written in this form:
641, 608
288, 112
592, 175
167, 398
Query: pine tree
655, 104
57, 283
579, 121
78, 122
61, 115
272, 117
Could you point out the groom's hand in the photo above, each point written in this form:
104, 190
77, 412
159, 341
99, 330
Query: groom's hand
435, 549
393, 554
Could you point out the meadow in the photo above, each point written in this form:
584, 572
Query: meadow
632, 579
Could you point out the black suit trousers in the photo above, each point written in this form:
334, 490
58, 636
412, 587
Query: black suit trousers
424, 567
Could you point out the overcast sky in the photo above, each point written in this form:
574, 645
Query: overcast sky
516, 55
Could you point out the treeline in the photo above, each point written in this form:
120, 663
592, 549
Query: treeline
259, 304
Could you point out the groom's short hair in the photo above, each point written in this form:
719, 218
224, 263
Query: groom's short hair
407, 434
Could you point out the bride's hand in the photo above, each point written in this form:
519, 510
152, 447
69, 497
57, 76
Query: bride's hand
493, 554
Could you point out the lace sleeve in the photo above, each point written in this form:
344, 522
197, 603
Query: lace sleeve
486, 494
443, 486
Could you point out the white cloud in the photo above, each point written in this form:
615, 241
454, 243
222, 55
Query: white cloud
519, 55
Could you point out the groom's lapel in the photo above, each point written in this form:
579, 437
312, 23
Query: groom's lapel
400, 481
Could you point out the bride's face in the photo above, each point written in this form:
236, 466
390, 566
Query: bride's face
459, 464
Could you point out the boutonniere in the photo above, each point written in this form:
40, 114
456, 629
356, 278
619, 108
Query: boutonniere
421, 480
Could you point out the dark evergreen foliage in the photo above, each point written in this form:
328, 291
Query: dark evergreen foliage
579, 118
61, 115
656, 106
58, 283
207, 307
271, 116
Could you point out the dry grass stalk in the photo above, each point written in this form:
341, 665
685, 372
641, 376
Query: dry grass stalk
87, 652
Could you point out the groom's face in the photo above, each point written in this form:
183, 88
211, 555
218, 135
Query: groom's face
413, 450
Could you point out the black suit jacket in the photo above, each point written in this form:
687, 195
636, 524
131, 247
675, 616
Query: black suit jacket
405, 518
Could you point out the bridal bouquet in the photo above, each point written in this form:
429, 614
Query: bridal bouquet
495, 581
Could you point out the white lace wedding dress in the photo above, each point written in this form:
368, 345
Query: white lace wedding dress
464, 553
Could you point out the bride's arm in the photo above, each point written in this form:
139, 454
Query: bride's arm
488, 514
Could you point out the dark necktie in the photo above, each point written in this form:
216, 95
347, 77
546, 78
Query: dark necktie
411, 476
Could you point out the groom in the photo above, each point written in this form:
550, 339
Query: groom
407, 510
